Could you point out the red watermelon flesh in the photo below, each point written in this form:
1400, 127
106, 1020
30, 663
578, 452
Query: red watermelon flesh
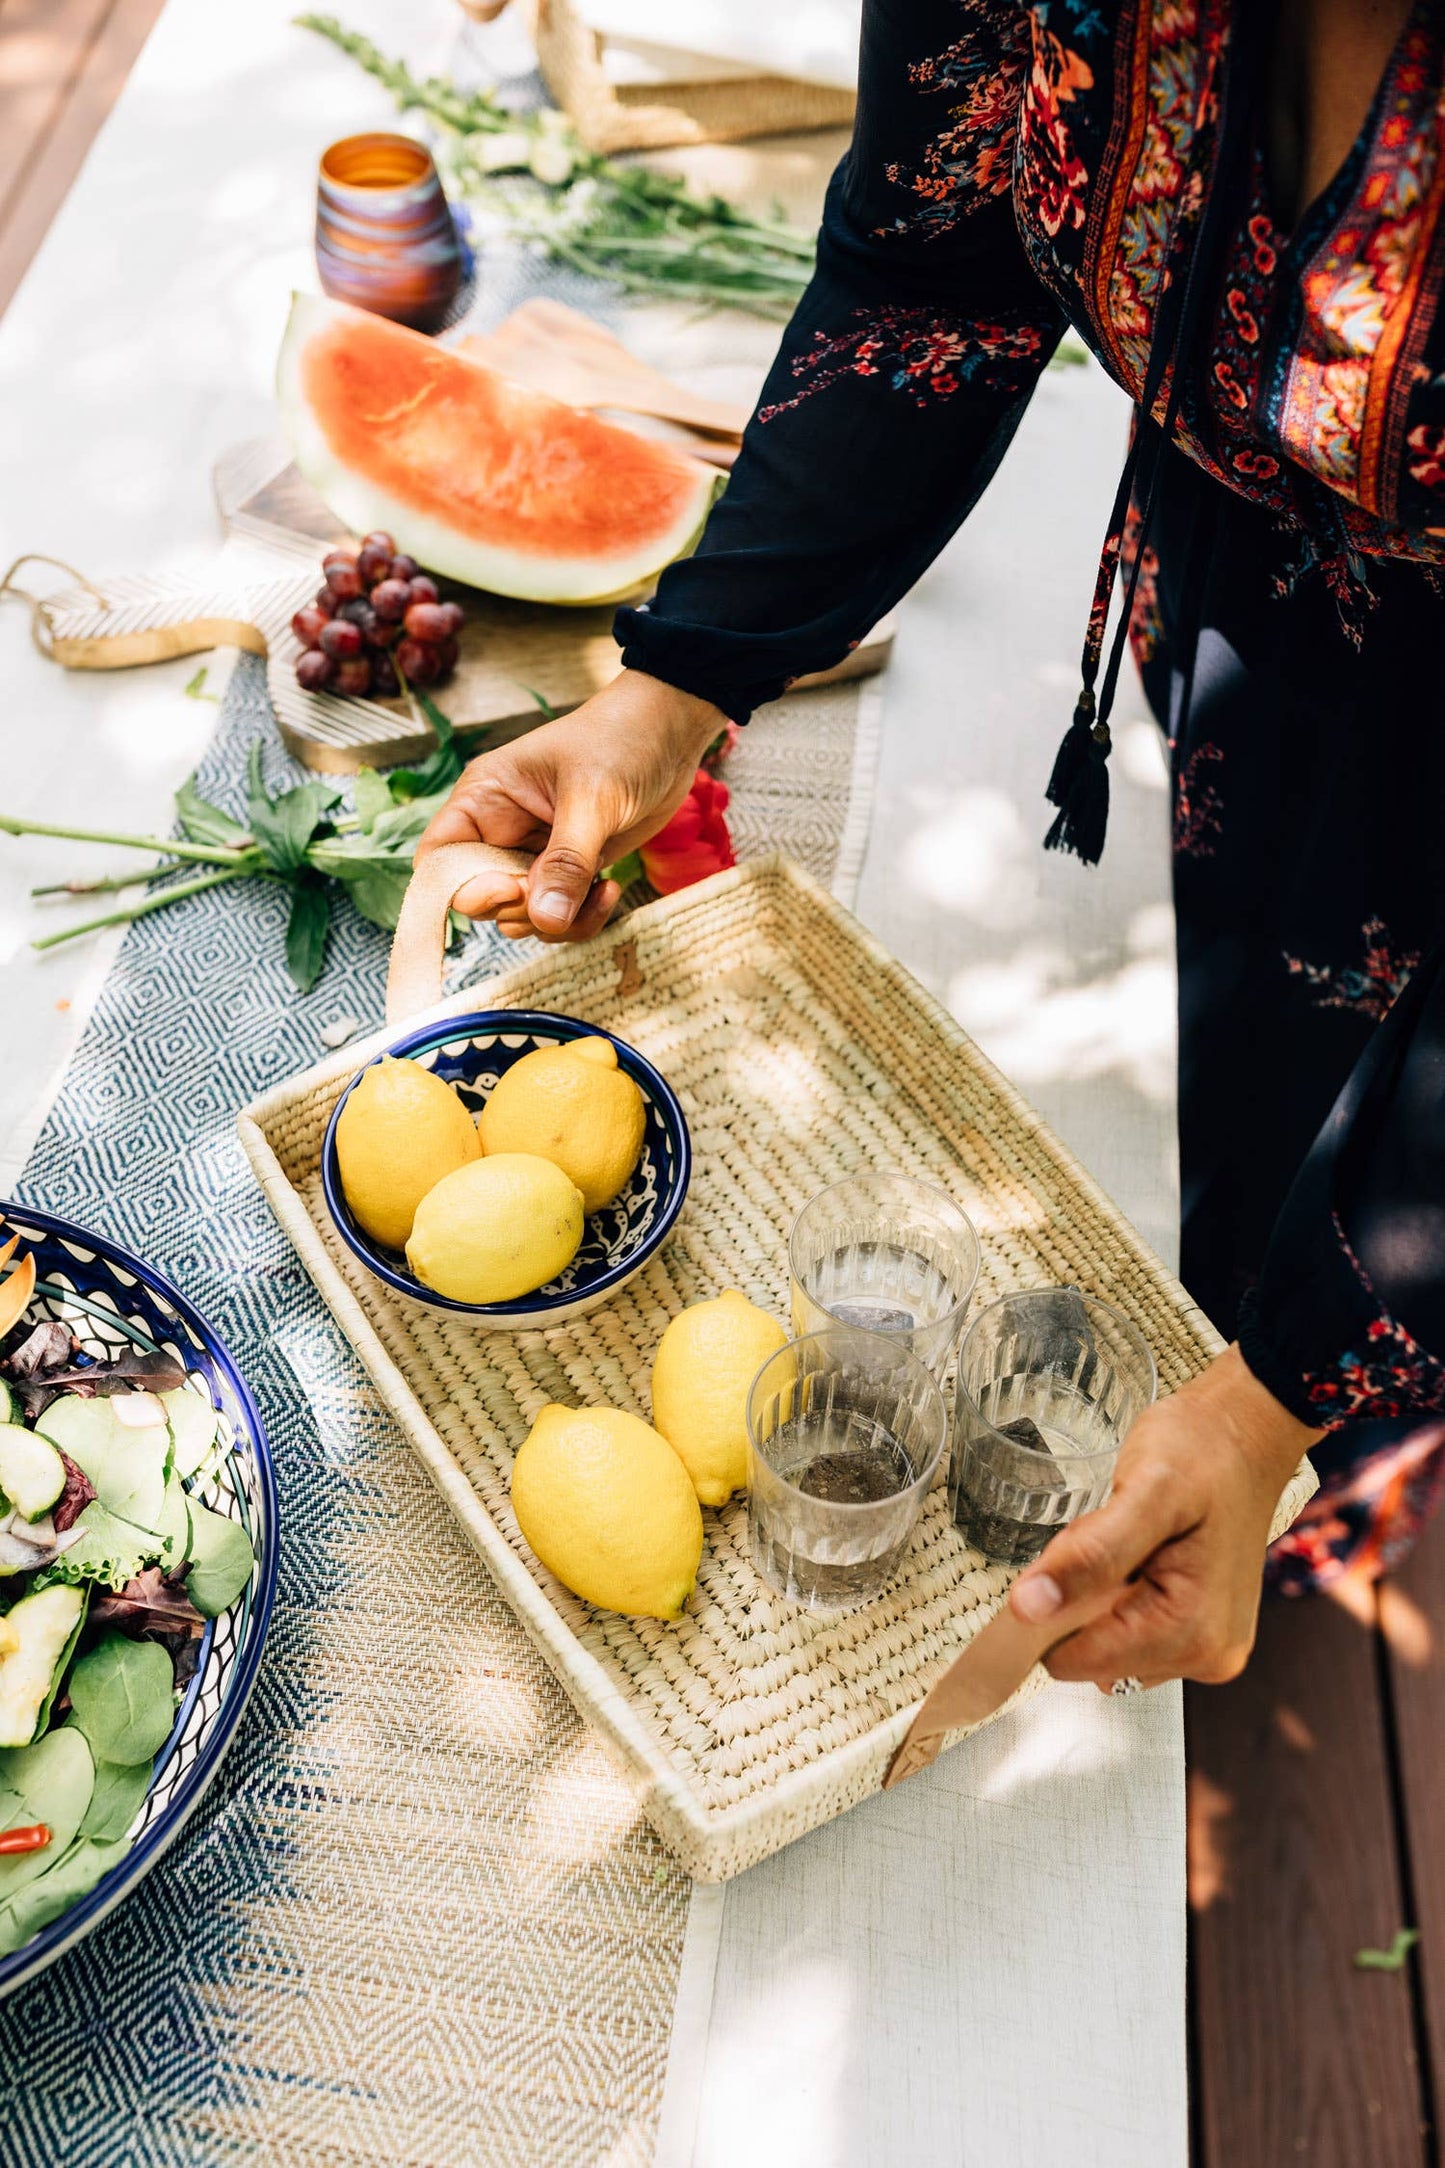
476, 477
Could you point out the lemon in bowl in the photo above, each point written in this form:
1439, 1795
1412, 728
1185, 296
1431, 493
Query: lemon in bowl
471, 1053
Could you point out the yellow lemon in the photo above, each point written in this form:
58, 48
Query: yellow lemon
401, 1130
705, 1362
574, 1106
496, 1229
606, 1505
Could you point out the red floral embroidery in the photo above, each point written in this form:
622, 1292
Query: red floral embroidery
1052, 173
919, 352
971, 160
1429, 468
1370, 988
1198, 806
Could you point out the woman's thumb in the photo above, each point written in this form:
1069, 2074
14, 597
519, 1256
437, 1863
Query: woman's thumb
558, 883
1093, 1556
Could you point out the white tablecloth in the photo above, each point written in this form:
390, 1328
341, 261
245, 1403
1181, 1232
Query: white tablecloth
987, 1967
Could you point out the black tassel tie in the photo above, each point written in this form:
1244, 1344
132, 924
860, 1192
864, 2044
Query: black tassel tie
1079, 785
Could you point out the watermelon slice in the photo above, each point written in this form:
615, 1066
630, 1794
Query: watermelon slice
476, 477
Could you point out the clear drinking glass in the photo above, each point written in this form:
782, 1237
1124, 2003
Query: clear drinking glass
890, 1254
1048, 1383
845, 1432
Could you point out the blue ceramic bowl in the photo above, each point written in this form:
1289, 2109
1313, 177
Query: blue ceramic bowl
472, 1052
111, 1302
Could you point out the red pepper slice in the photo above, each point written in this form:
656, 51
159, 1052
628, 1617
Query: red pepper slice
33, 1839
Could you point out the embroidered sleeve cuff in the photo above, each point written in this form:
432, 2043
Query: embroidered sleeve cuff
1374, 1367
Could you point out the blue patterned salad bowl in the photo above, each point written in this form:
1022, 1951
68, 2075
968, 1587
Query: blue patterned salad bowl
471, 1052
113, 1304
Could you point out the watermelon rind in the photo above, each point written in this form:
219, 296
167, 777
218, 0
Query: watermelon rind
455, 547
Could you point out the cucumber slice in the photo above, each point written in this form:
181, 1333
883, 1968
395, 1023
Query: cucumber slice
222, 1561
40, 1632
127, 1467
194, 1423
32, 1473
9, 1404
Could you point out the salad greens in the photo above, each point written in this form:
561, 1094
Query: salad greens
109, 1572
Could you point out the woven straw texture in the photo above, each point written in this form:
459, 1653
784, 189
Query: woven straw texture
801, 1053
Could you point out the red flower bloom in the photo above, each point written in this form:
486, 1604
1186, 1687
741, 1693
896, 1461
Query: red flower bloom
695, 841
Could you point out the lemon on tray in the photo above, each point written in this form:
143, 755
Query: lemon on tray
401, 1130
705, 1362
607, 1506
573, 1105
496, 1229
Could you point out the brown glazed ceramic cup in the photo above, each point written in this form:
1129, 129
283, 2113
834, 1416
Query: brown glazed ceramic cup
385, 240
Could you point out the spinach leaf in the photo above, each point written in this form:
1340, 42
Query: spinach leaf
50, 1782
73, 1876
116, 1800
222, 1562
123, 1700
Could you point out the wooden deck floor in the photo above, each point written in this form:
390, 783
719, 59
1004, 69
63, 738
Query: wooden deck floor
1317, 1782
1317, 1828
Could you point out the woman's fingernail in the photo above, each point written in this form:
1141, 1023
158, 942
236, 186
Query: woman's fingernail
554, 907
1037, 1596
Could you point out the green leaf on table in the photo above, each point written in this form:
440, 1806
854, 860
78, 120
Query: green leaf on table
306, 930
440, 769
375, 879
372, 795
284, 826
123, 1699
196, 688
1391, 1960
206, 823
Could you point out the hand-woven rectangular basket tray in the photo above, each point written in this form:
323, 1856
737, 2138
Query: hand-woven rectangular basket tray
801, 1053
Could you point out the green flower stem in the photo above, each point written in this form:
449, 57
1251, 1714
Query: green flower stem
201, 854
157, 902
137, 879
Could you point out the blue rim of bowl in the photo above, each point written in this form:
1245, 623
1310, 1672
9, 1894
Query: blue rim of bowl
476, 1023
53, 1940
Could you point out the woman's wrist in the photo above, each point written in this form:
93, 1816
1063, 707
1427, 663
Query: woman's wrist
687, 723
1265, 1430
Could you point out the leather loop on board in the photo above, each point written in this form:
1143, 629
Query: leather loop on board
414, 981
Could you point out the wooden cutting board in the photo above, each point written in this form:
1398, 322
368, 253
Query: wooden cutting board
510, 651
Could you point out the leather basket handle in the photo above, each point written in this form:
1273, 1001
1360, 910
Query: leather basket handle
414, 981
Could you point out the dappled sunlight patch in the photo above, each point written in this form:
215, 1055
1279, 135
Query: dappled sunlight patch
1209, 1809
974, 857
757, 2111
578, 1812
1039, 1024
1407, 1630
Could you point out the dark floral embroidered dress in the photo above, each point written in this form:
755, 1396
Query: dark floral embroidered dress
1018, 168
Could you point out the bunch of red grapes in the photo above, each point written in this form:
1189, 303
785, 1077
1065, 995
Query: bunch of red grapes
376, 624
